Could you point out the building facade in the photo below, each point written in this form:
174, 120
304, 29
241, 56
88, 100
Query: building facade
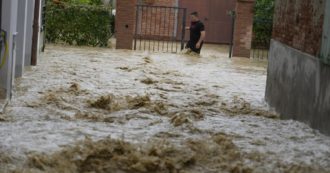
298, 84
214, 14
16, 42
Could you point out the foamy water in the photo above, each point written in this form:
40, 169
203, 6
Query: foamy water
188, 97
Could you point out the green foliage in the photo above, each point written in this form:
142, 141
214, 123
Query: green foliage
264, 9
78, 24
263, 23
84, 2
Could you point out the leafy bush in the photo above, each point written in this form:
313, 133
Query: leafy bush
84, 2
264, 9
263, 23
78, 24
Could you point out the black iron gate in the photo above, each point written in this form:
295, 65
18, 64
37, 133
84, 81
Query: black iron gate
262, 33
159, 28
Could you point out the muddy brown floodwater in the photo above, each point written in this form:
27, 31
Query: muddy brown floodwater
98, 110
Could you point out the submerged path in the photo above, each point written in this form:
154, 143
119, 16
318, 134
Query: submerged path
101, 110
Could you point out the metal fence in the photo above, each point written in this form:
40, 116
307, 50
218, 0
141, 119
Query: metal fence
159, 28
262, 33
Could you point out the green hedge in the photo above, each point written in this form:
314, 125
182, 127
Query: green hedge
86, 2
263, 23
78, 24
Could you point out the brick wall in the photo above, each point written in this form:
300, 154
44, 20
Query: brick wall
169, 3
125, 23
152, 22
299, 23
158, 21
243, 28
165, 24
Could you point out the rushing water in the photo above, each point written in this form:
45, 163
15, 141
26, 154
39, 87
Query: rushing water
139, 97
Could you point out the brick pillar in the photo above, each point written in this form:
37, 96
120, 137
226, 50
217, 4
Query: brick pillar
125, 22
243, 28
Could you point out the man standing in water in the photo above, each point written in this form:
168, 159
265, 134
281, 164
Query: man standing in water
197, 34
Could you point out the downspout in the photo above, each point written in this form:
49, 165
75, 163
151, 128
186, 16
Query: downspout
232, 14
35, 33
176, 19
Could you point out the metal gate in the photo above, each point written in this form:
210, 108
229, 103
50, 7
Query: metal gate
159, 28
262, 33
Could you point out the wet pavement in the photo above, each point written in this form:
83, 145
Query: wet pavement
93, 109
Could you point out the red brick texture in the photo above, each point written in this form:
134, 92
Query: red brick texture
165, 24
299, 24
154, 23
125, 23
157, 21
168, 3
243, 28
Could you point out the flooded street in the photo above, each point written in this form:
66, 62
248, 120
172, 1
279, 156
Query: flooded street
102, 110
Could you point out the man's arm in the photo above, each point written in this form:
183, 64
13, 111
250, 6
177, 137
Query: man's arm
201, 39
187, 28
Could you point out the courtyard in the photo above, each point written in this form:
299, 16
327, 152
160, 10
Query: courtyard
88, 109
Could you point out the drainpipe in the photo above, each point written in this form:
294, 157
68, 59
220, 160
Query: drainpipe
176, 19
233, 19
35, 33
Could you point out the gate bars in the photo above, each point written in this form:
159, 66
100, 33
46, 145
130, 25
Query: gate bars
159, 28
262, 33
